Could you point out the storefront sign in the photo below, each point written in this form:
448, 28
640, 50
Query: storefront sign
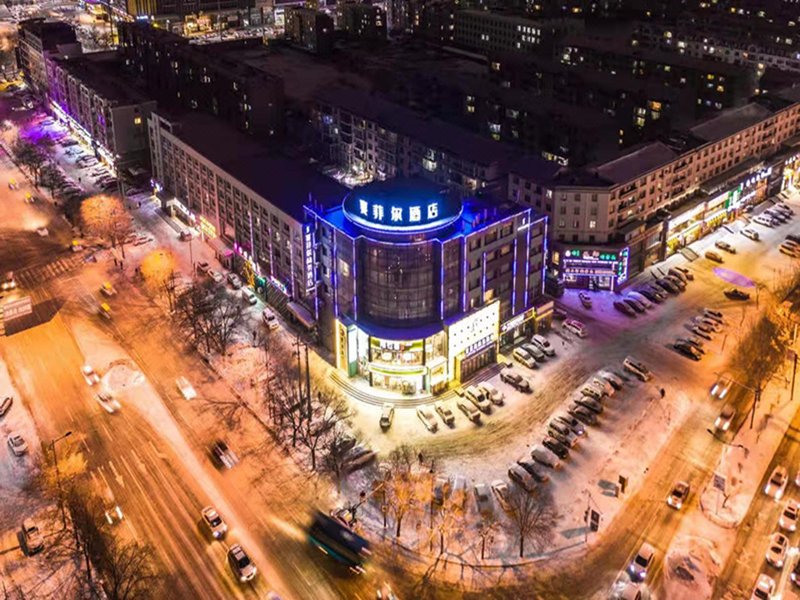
207, 228
515, 322
308, 249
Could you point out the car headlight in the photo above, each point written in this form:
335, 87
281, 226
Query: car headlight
678, 504
725, 426
217, 534
778, 563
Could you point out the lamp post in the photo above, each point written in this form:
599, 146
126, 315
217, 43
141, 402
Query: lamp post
58, 476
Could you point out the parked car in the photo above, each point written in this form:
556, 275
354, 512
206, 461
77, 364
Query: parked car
555, 447
637, 368
585, 299
536, 470
678, 495
777, 549
576, 327
675, 281
502, 493
445, 412
242, 566
5, 405
583, 414
234, 280
357, 457
563, 435
789, 250
521, 477
750, 233
726, 416
494, 395
478, 398
640, 299
695, 342
515, 380
249, 296
185, 388
213, 523
17, 444
425, 414
270, 320
107, 289
736, 294
612, 378
387, 415
723, 245
634, 304
534, 351
651, 294
713, 256
574, 424
701, 331
524, 357
714, 314
687, 350
469, 410
543, 456
216, 275
588, 403
667, 285
483, 499
624, 308
686, 272
33, 538
776, 485
90, 375
544, 344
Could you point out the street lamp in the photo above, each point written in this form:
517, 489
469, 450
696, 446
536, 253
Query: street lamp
740, 446
58, 476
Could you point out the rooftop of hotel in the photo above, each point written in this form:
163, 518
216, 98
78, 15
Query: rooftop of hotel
102, 72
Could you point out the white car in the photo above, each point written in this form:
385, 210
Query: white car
788, 518
639, 369
492, 393
544, 344
721, 387
185, 388
17, 444
725, 418
108, 401
249, 296
764, 589
89, 374
642, 562
425, 414
777, 549
234, 280
612, 378
500, 489
269, 319
576, 327
216, 275
521, 355
776, 485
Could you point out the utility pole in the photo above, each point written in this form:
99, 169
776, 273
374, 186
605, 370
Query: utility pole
58, 477
794, 374
755, 404
308, 383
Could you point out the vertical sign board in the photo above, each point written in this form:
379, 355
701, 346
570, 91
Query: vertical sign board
17, 308
719, 482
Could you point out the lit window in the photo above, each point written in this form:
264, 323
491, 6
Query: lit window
137, 120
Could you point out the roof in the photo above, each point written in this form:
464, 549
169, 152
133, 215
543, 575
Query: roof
285, 183
102, 72
636, 163
730, 121
432, 132
535, 168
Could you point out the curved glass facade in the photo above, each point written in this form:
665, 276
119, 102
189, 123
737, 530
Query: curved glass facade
399, 283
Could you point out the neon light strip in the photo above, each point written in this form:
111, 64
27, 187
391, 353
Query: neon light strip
514, 276
527, 266
441, 280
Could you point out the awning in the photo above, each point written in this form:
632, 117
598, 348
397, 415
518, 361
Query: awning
221, 249
302, 314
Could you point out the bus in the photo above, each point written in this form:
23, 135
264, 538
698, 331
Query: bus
338, 541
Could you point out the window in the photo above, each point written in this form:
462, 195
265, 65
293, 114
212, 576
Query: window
592, 224
137, 120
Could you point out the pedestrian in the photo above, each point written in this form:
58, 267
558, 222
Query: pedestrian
663, 392
115, 261
420, 457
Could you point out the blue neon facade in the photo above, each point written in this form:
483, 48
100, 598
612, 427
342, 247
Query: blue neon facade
417, 288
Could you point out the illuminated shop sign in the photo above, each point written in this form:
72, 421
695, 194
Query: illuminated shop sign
279, 284
208, 228
517, 321
597, 262
308, 236
401, 214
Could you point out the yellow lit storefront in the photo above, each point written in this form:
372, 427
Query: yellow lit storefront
426, 364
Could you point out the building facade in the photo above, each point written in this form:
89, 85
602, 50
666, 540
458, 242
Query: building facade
364, 21
89, 95
203, 78
309, 29
39, 40
638, 209
418, 288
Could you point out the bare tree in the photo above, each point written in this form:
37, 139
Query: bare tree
86, 512
404, 487
331, 409
158, 273
29, 155
106, 217
486, 530
533, 517
50, 177
128, 572
449, 517
334, 453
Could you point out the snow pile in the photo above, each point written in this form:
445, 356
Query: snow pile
121, 377
728, 508
691, 567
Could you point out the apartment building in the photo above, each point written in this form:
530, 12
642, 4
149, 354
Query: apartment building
715, 85
367, 134
204, 78
486, 31
96, 102
246, 202
38, 40
363, 21
639, 208
309, 29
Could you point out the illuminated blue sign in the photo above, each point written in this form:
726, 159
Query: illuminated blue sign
402, 210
